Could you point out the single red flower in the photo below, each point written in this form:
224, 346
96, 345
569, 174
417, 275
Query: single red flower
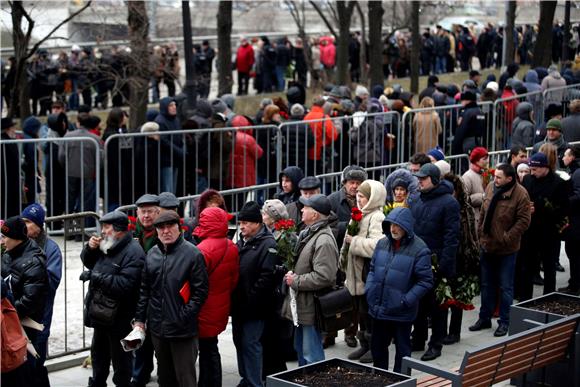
356, 214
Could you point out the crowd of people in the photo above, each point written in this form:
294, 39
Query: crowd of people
99, 75
178, 280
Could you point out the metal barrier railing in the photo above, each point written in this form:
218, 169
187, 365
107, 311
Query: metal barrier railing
505, 112
562, 95
68, 332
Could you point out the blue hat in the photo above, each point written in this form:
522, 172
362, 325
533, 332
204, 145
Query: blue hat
539, 160
437, 154
35, 213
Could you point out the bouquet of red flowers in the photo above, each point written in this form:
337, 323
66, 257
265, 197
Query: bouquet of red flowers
458, 292
286, 242
487, 176
352, 230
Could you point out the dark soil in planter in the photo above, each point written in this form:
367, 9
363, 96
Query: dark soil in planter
561, 307
336, 376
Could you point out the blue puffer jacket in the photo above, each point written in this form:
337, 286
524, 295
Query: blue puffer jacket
398, 279
436, 215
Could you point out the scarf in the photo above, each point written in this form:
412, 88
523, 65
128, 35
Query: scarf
497, 195
351, 200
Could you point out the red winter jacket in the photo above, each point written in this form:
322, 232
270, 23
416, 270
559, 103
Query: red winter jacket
324, 131
242, 170
509, 109
245, 58
223, 266
328, 53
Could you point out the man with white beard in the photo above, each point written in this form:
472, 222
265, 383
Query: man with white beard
114, 260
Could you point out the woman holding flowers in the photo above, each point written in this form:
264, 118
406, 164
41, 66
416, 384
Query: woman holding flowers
363, 232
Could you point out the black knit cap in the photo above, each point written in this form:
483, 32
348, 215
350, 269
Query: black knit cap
250, 212
15, 228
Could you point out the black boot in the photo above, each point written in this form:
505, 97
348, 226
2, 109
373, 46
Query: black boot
364, 347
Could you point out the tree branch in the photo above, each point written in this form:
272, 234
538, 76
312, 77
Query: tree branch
41, 41
324, 19
293, 11
334, 13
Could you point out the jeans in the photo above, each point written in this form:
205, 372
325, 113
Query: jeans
384, 332
169, 179
440, 65
210, 363
280, 82
308, 344
497, 270
82, 197
247, 335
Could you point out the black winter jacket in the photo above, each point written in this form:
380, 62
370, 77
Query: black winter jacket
164, 276
117, 275
26, 266
472, 125
172, 150
573, 231
343, 212
253, 298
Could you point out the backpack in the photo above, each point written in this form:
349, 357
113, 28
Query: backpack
14, 341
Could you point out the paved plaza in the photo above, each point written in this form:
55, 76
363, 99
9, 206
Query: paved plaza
451, 357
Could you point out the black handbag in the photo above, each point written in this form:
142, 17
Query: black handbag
103, 309
333, 309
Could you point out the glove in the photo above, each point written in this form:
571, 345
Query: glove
85, 275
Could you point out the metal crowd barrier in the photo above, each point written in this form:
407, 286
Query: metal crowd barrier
63, 173
505, 112
561, 95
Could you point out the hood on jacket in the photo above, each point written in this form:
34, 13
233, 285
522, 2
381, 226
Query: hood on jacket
406, 176
542, 72
296, 94
229, 100
377, 91
512, 69
377, 198
374, 106
523, 110
164, 106
206, 196
213, 223
31, 126
240, 121
402, 217
532, 77
58, 123
295, 174
201, 116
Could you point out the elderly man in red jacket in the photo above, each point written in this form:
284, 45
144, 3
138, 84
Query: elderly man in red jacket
244, 62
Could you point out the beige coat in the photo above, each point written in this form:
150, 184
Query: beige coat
316, 269
473, 183
363, 244
426, 130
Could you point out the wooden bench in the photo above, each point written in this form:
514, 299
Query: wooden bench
513, 356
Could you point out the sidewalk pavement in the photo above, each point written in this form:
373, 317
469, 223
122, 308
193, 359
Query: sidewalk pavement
451, 355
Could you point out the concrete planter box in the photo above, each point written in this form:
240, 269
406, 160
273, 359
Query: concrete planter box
283, 379
552, 375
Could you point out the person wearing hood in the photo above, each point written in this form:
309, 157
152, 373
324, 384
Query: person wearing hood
553, 80
554, 136
532, 84
356, 253
572, 233
30, 128
523, 126
223, 266
402, 177
289, 179
426, 127
54, 172
367, 140
399, 277
437, 217
171, 150
571, 124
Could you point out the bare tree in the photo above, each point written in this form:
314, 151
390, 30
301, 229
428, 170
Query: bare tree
509, 34
376, 12
299, 15
21, 40
416, 44
543, 48
363, 45
224, 61
138, 24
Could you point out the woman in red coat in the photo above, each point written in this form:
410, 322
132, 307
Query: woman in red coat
223, 266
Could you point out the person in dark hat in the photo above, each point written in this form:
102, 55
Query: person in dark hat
169, 202
114, 261
11, 190
315, 269
554, 136
145, 232
437, 217
33, 216
24, 271
253, 301
471, 126
174, 287
308, 186
541, 242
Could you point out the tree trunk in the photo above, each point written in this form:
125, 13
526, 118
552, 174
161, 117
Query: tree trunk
543, 48
566, 51
20, 98
344, 16
138, 24
224, 64
416, 44
509, 32
363, 47
190, 88
376, 42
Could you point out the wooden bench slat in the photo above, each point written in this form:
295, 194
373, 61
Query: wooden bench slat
474, 358
555, 339
437, 382
516, 362
480, 371
485, 377
509, 372
551, 354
